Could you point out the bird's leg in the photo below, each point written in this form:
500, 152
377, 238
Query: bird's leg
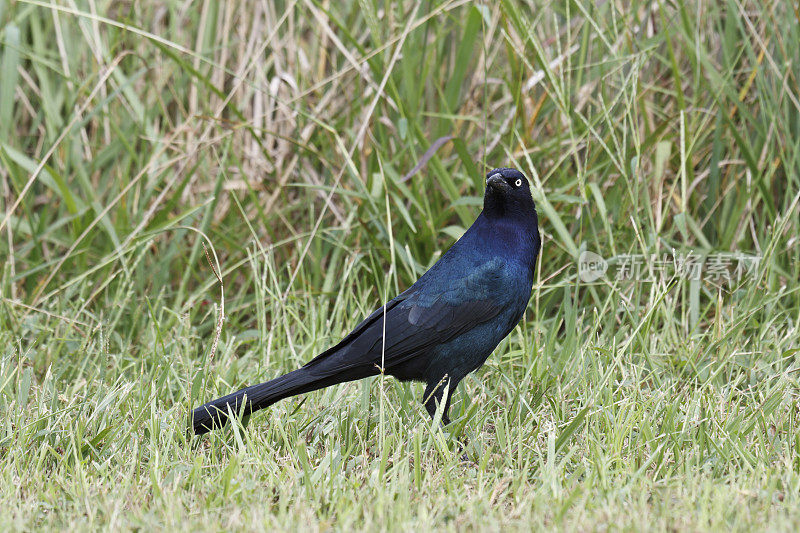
432, 397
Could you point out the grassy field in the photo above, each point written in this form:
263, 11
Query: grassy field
321, 155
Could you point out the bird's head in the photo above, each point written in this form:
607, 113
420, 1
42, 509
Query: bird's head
508, 194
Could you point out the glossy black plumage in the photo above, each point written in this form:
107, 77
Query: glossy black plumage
442, 327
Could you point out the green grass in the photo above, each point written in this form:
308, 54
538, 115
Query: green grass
282, 136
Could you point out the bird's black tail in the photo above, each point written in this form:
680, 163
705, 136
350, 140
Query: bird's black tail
215, 414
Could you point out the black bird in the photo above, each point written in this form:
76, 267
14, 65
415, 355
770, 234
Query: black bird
441, 328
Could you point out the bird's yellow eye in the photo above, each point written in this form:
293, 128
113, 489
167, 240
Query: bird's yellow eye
518, 182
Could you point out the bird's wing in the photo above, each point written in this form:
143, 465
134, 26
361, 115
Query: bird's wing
426, 315
366, 324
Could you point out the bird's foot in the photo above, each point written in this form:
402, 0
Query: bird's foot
462, 442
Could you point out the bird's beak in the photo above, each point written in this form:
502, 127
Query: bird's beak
496, 181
